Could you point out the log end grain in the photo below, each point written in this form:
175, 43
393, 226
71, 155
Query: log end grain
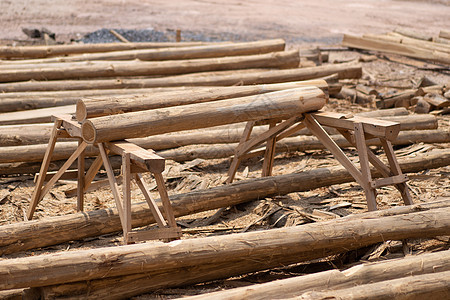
81, 111
88, 131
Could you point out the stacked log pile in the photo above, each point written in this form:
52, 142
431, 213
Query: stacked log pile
426, 95
103, 85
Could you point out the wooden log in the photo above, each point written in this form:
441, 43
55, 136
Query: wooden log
445, 34
395, 48
402, 97
345, 71
228, 137
420, 43
15, 135
427, 286
441, 40
436, 100
422, 106
151, 122
334, 279
303, 143
276, 247
54, 230
91, 108
9, 52
288, 59
41, 115
10, 102
401, 39
125, 260
174, 53
413, 34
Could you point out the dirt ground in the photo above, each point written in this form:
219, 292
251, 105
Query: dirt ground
320, 21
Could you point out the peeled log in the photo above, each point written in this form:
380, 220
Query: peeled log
54, 230
301, 143
345, 71
125, 260
41, 115
275, 247
395, 48
15, 135
10, 102
288, 59
174, 53
58, 50
63, 150
97, 107
335, 279
157, 121
427, 286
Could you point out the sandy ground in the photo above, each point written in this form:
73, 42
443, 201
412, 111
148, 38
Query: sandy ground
321, 21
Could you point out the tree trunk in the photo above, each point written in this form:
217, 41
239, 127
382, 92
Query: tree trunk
97, 107
345, 71
427, 286
8, 52
288, 59
174, 53
275, 247
334, 279
53, 230
157, 121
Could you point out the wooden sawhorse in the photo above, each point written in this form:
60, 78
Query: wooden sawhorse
135, 160
355, 129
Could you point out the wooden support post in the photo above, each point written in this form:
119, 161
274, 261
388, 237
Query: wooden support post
112, 182
269, 154
365, 168
93, 170
237, 159
56, 177
151, 202
165, 199
337, 152
81, 180
126, 187
35, 197
396, 170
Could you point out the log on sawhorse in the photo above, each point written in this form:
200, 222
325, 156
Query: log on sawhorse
135, 161
355, 129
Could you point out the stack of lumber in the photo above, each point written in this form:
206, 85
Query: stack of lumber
404, 42
410, 48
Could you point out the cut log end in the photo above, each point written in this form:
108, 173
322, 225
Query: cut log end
88, 132
81, 111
